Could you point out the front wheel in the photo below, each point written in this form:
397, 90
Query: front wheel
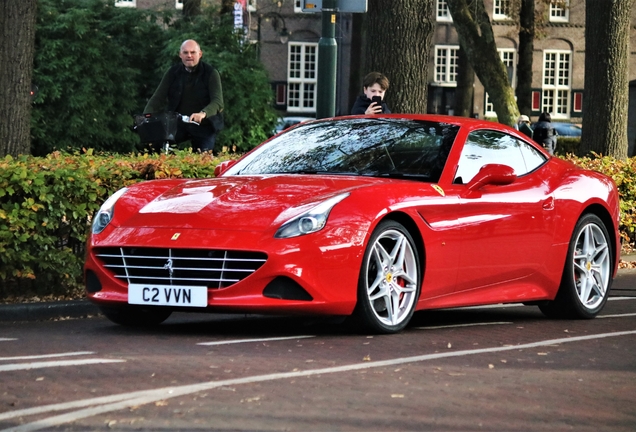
389, 283
587, 275
136, 316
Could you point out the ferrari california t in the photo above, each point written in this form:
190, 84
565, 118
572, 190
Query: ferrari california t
369, 217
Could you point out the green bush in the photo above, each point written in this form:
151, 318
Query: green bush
46, 206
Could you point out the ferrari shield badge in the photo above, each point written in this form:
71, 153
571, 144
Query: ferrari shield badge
175, 236
439, 189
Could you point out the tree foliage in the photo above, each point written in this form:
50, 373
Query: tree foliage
96, 65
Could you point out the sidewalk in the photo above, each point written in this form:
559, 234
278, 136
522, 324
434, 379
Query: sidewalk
624, 285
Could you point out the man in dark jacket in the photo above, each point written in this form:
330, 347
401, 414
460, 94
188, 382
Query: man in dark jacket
374, 84
544, 133
191, 88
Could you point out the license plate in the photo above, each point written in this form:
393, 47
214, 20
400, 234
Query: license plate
168, 295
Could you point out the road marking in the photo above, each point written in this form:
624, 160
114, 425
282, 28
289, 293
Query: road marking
40, 365
7, 339
253, 340
616, 315
462, 325
34, 357
621, 298
112, 403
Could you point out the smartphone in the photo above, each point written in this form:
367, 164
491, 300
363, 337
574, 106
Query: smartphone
377, 99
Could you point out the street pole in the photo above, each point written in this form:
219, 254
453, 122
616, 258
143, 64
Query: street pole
327, 62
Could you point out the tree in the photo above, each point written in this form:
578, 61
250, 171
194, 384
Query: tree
477, 39
605, 102
526, 48
17, 24
191, 8
398, 41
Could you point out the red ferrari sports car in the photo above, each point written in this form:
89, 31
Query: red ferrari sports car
371, 217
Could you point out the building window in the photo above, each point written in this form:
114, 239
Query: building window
178, 4
556, 90
501, 10
443, 14
126, 3
302, 77
509, 59
298, 6
560, 12
446, 65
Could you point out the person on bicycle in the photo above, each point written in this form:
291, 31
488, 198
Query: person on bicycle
191, 88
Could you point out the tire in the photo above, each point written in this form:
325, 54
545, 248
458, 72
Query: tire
136, 316
587, 275
390, 280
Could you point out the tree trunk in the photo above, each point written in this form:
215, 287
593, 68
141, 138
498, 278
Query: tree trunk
17, 24
477, 39
605, 102
524, 65
357, 42
398, 41
465, 90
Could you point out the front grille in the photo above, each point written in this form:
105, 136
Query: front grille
188, 267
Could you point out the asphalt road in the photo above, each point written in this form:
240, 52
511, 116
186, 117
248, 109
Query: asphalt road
498, 368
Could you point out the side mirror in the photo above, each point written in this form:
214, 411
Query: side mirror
492, 174
223, 166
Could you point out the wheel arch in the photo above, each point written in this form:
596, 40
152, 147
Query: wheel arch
412, 228
606, 218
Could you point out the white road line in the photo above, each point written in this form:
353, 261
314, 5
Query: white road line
621, 298
40, 365
462, 325
615, 315
236, 341
127, 400
7, 339
34, 357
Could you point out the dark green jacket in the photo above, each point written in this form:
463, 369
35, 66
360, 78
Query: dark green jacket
188, 92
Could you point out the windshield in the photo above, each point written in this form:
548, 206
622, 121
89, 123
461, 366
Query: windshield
369, 147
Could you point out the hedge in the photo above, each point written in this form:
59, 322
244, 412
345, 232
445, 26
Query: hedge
46, 205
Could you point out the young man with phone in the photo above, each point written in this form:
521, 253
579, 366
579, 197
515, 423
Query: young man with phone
374, 86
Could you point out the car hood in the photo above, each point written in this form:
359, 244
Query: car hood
232, 203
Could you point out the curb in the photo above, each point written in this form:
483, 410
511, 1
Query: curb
47, 310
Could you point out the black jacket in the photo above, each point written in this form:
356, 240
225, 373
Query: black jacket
362, 103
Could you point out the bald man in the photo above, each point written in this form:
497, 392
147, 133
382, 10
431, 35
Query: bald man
191, 88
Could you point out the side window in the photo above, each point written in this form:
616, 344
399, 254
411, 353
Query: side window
491, 147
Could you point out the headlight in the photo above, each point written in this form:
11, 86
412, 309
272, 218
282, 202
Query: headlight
105, 214
310, 221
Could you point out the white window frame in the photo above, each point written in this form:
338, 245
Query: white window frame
499, 8
446, 65
442, 13
178, 4
298, 6
126, 3
556, 89
509, 58
302, 77
560, 13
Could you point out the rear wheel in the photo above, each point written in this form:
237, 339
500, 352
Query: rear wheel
389, 283
587, 275
136, 316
